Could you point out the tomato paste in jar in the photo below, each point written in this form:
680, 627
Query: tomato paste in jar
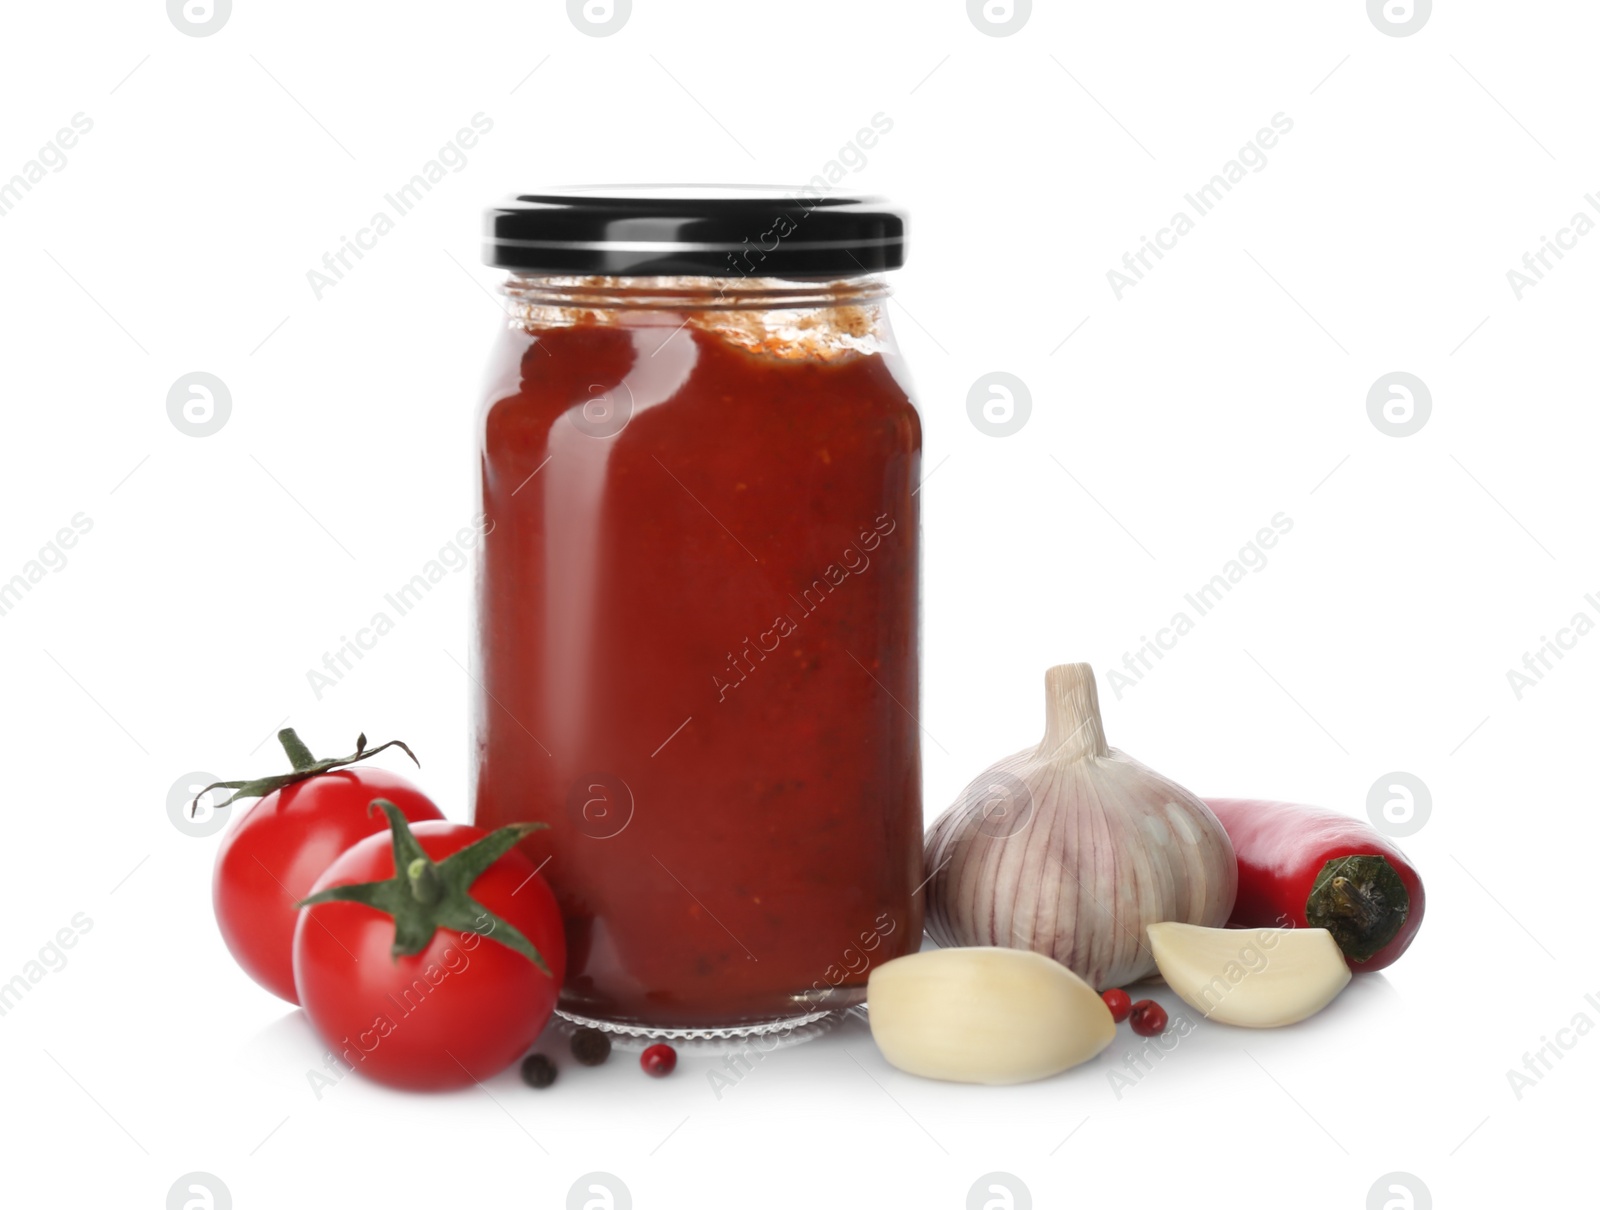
696, 637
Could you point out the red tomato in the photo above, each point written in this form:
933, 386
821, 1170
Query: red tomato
462, 1008
273, 853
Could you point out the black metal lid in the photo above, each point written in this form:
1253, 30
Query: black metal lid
696, 230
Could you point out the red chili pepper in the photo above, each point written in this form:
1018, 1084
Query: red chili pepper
1305, 867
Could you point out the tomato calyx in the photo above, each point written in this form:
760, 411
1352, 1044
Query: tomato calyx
426, 895
305, 766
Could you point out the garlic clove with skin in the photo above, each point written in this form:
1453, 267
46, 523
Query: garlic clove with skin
1071, 848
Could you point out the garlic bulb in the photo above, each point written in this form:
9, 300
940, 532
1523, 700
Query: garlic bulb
1072, 848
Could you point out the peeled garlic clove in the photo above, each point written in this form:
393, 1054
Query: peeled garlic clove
1253, 977
985, 1015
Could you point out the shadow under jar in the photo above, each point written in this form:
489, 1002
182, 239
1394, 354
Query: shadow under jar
696, 638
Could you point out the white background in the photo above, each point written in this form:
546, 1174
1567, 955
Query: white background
1228, 386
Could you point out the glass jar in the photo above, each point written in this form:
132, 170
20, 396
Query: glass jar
696, 640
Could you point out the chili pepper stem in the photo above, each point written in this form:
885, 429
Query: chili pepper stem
1361, 901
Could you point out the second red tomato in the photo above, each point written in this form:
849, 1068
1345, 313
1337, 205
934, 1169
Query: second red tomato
470, 1000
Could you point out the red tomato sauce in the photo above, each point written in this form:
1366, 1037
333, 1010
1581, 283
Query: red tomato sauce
697, 662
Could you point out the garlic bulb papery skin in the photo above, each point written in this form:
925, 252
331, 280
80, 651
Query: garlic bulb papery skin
1072, 848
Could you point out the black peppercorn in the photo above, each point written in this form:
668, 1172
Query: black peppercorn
538, 1072
591, 1047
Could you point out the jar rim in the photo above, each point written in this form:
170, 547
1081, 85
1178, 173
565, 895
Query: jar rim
691, 292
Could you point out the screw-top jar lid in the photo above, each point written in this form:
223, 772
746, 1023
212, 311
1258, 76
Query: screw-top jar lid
695, 230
